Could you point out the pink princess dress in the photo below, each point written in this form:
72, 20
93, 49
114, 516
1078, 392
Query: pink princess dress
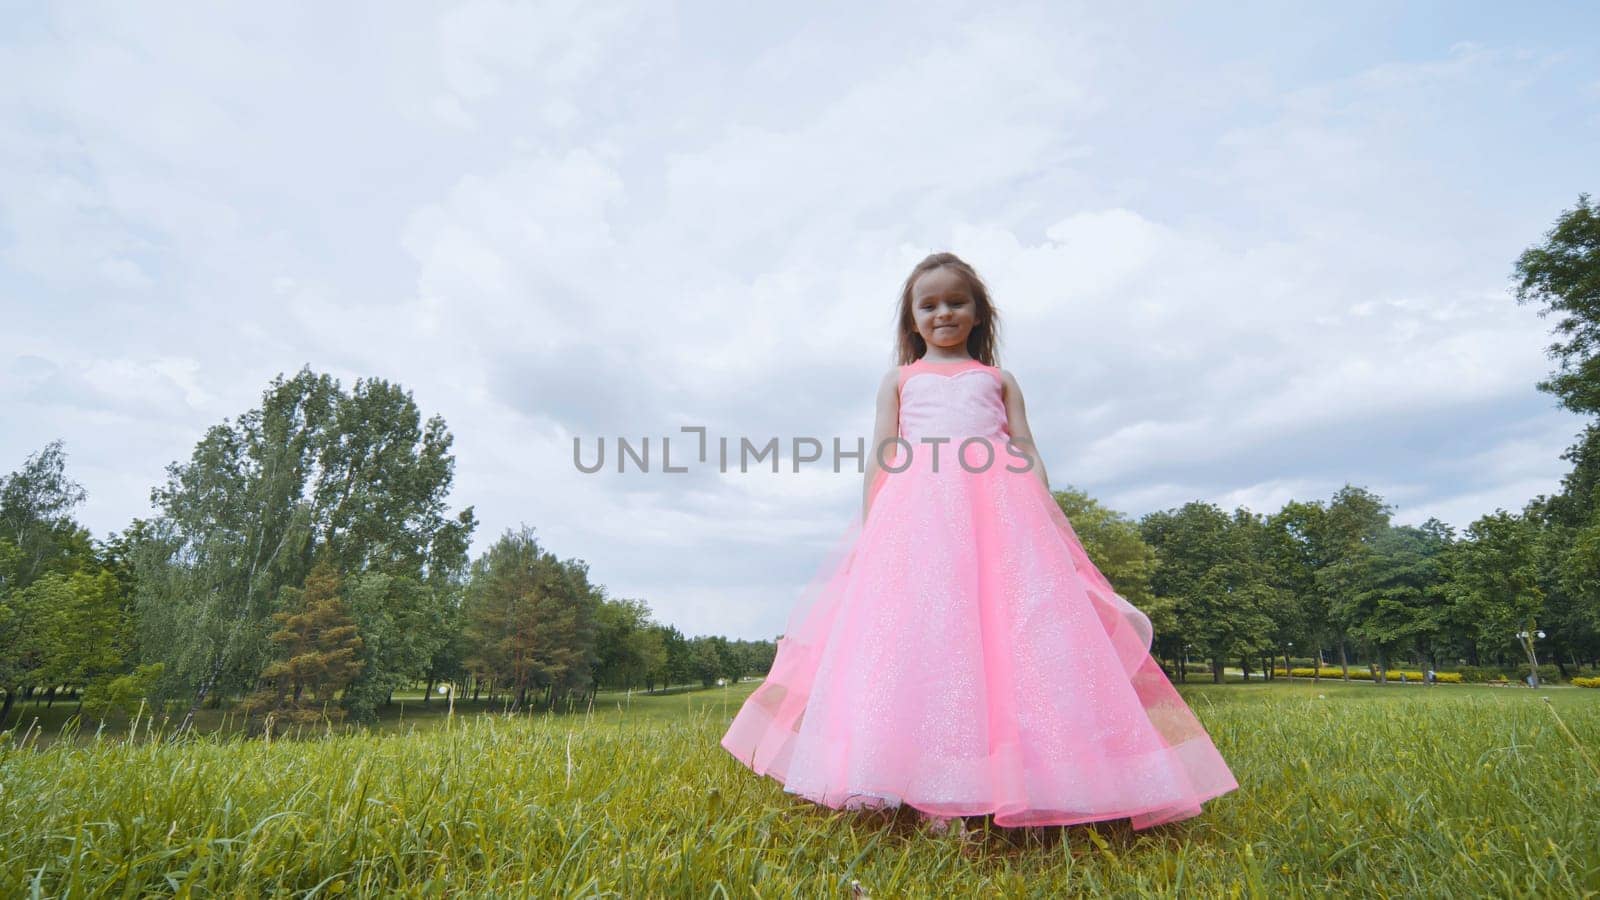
959, 653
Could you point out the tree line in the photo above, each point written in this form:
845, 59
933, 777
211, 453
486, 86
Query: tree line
1336, 580
305, 553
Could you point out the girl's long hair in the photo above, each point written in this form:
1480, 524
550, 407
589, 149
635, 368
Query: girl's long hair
982, 343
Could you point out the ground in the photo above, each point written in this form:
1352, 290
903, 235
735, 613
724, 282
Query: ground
1361, 789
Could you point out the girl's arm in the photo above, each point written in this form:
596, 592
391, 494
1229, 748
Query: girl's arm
1017, 424
886, 428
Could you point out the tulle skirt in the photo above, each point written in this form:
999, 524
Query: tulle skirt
959, 653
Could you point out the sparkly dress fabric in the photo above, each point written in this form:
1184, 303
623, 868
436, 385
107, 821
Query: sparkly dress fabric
959, 653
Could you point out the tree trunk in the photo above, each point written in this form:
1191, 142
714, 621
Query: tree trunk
1216, 670
428, 691
1381, 676
1344, 660
199, 697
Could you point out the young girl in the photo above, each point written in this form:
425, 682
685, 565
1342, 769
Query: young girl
958, 652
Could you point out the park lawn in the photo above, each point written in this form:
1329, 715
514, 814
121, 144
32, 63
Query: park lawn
1398, 790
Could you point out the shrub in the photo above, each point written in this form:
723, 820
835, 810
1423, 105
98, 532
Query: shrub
122, 692
1364, 674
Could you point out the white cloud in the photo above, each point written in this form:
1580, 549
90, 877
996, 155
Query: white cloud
1222, 276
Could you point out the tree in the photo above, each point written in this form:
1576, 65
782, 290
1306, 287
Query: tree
234, 531
531, 619
1563, 273
674, 664
1396, 594
712, 657
623, 647
1351, 526
318, 654
312, 473
1211, 567
755, 656
36, 504
1494, 575
59, 618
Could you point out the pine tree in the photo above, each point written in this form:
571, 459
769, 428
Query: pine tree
319, 653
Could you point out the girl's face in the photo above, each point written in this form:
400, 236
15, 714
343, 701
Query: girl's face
943, 308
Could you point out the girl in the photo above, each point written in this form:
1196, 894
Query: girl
958, 652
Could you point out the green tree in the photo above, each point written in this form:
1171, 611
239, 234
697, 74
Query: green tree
50, 584
623, 646
1351, 526
1563, 274
36, 504
1494, 576
311, 473
1398, 593
234, 531
531, 620
1212, 569
674, 664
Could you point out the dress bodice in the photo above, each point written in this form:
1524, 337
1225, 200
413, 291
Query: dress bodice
956, 400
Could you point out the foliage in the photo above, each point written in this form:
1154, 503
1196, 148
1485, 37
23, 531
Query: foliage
318, 654
312, 472
1563, 274
531, 617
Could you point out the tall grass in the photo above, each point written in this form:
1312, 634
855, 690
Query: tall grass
1444, 792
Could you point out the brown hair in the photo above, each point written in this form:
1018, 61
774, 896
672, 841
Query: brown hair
982, 343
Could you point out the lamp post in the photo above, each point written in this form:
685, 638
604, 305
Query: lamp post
449, 688
1527, 637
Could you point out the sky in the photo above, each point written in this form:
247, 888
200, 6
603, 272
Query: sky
1241, 254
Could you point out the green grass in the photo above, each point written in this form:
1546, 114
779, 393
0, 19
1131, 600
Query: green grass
1387, 791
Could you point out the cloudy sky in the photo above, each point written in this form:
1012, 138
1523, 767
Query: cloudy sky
1241, 254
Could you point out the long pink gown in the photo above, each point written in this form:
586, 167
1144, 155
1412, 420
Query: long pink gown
959, 653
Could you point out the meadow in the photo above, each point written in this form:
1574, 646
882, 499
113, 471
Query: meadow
1411, 791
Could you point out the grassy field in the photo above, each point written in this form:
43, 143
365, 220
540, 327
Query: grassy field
1450, 791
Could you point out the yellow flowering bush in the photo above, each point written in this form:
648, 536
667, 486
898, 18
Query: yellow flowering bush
1364, 674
